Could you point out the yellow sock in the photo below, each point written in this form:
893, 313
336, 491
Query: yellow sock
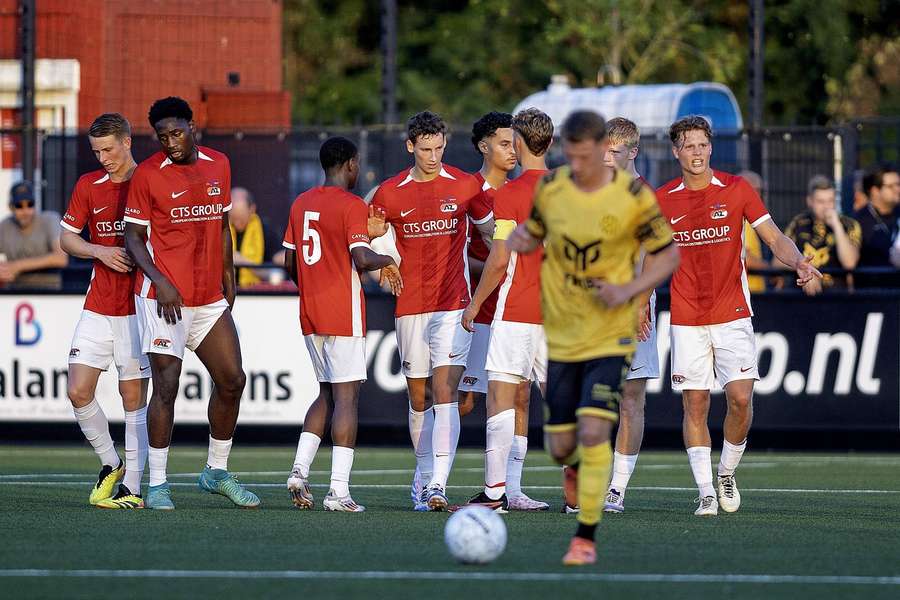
593, 478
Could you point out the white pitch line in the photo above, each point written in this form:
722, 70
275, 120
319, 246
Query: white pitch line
467, 575
403, 486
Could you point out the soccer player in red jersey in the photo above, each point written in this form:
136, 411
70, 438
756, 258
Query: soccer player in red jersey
177, 234
517, 353
492, 137
431, 208
624, 142
107, 331
330, 225
712, 335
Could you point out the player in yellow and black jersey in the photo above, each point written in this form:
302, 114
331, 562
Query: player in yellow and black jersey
593, 221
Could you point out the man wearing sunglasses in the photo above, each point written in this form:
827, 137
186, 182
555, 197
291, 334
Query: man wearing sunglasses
30, 255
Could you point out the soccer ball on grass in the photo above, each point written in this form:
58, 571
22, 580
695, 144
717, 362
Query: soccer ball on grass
475, 535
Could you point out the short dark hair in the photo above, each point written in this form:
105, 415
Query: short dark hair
689, 123
874, 177
335, 151
488, 125
583, 125
536, 129
110, 124
424, 123
818, 182
171, 107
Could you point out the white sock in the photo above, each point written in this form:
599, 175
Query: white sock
217, 458
515, 464
421, 430
306, 452
623, 467
444, 440
341, 463
136, 445
701, 465
158, 457
731, 456
95, 428
499, 434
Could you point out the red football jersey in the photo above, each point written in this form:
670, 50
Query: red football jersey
520, 289
327, 223
99, 203
431, 224
182, 207
479, 250
710, 285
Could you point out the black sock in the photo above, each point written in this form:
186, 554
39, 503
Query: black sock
586, 531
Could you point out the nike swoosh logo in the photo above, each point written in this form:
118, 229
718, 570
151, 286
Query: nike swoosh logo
174, 195
455, 355
100, 210
403, 213
638, 369
743, 370
673, 220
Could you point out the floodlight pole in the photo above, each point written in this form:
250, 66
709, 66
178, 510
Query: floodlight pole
27, 15
756, 89
389, 61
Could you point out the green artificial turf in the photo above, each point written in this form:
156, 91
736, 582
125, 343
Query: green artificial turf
823, 536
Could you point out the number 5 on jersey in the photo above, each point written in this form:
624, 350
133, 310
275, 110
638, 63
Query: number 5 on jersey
312, 252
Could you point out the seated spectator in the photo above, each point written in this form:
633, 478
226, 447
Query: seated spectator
248, 235
830, 239
879, 223
30, 256
753, 253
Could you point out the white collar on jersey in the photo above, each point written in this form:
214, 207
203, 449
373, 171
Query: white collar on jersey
200, 155
486, 186
409, 176
102, 179
715, 181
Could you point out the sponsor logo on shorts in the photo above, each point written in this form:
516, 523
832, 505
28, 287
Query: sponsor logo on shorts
451, 355
406, 365
678, 379
162, 343
74, 352
470, 380
745, 369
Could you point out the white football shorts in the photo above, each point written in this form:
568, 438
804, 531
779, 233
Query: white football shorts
702, 354
337, 359
161, 338
517, 352
430, 340
100, 340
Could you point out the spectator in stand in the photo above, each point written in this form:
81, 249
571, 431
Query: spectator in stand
248, 234
30, 256
753, 254
832, 240
879, 223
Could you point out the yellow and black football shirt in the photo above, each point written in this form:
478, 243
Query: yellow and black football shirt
592, 235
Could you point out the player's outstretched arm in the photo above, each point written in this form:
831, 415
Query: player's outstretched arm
786, 251
114, 257
658, 266
491, 274
229, 279
168, 300
367, 260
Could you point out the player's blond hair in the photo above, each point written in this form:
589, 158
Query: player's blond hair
622, 131
536, 129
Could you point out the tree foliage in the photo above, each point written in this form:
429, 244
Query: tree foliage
823, 58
